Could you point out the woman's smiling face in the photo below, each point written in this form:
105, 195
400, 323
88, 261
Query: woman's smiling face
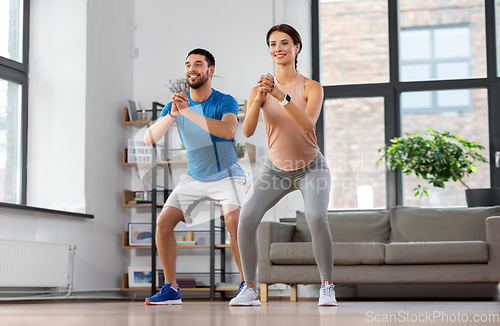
281, 48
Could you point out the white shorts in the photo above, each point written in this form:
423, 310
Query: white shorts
191, 195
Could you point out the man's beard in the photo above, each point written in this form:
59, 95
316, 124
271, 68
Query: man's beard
199, 83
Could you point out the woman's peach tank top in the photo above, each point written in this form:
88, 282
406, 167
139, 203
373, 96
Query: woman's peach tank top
289, 147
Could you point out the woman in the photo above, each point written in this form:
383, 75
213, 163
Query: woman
290, 105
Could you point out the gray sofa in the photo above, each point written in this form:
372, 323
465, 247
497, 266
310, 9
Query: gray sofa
405, 245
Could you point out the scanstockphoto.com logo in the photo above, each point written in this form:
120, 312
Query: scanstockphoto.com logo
431, 317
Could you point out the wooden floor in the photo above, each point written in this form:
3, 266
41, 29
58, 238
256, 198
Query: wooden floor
273, 313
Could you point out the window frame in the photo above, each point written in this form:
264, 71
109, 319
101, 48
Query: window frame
392, 90
18, 72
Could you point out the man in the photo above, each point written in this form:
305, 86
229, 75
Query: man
207, 121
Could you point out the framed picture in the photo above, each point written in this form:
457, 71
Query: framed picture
139, 152
139, 234
139, 277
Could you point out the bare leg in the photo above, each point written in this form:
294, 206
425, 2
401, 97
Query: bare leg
166, 243
231, 218
252, 284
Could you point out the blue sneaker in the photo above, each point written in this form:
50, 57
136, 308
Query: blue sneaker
166, 296
242, 284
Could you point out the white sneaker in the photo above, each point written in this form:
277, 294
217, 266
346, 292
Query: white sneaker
247, 297
327, 295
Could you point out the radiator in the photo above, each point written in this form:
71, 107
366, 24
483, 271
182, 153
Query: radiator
34, 264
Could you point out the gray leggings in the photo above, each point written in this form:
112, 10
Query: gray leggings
273, 184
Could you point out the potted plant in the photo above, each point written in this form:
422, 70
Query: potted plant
179, 85
240, 150
443, 157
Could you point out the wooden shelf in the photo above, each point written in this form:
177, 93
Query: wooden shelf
128, 195
218, 289
125, 244
126, 119
126, 288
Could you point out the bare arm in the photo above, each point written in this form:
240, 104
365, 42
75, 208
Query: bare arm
313, 93
255, 100
156, 131
224, 128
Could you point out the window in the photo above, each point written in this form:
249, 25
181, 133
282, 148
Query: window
471, 125
13, 99
436, 101
10, 145
354, 128
441, 39
11, 30
435, 53
405, 65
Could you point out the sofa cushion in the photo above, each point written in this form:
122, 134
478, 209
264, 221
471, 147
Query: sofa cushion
349, 227
440, 224
344, 253
360, 226
436, 252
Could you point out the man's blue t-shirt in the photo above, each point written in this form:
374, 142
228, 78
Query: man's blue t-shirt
210, 158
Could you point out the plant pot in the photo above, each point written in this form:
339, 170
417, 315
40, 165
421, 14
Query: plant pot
482, 197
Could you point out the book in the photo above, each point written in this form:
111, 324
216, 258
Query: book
132, 110
136, 202
227, 286
181, 286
